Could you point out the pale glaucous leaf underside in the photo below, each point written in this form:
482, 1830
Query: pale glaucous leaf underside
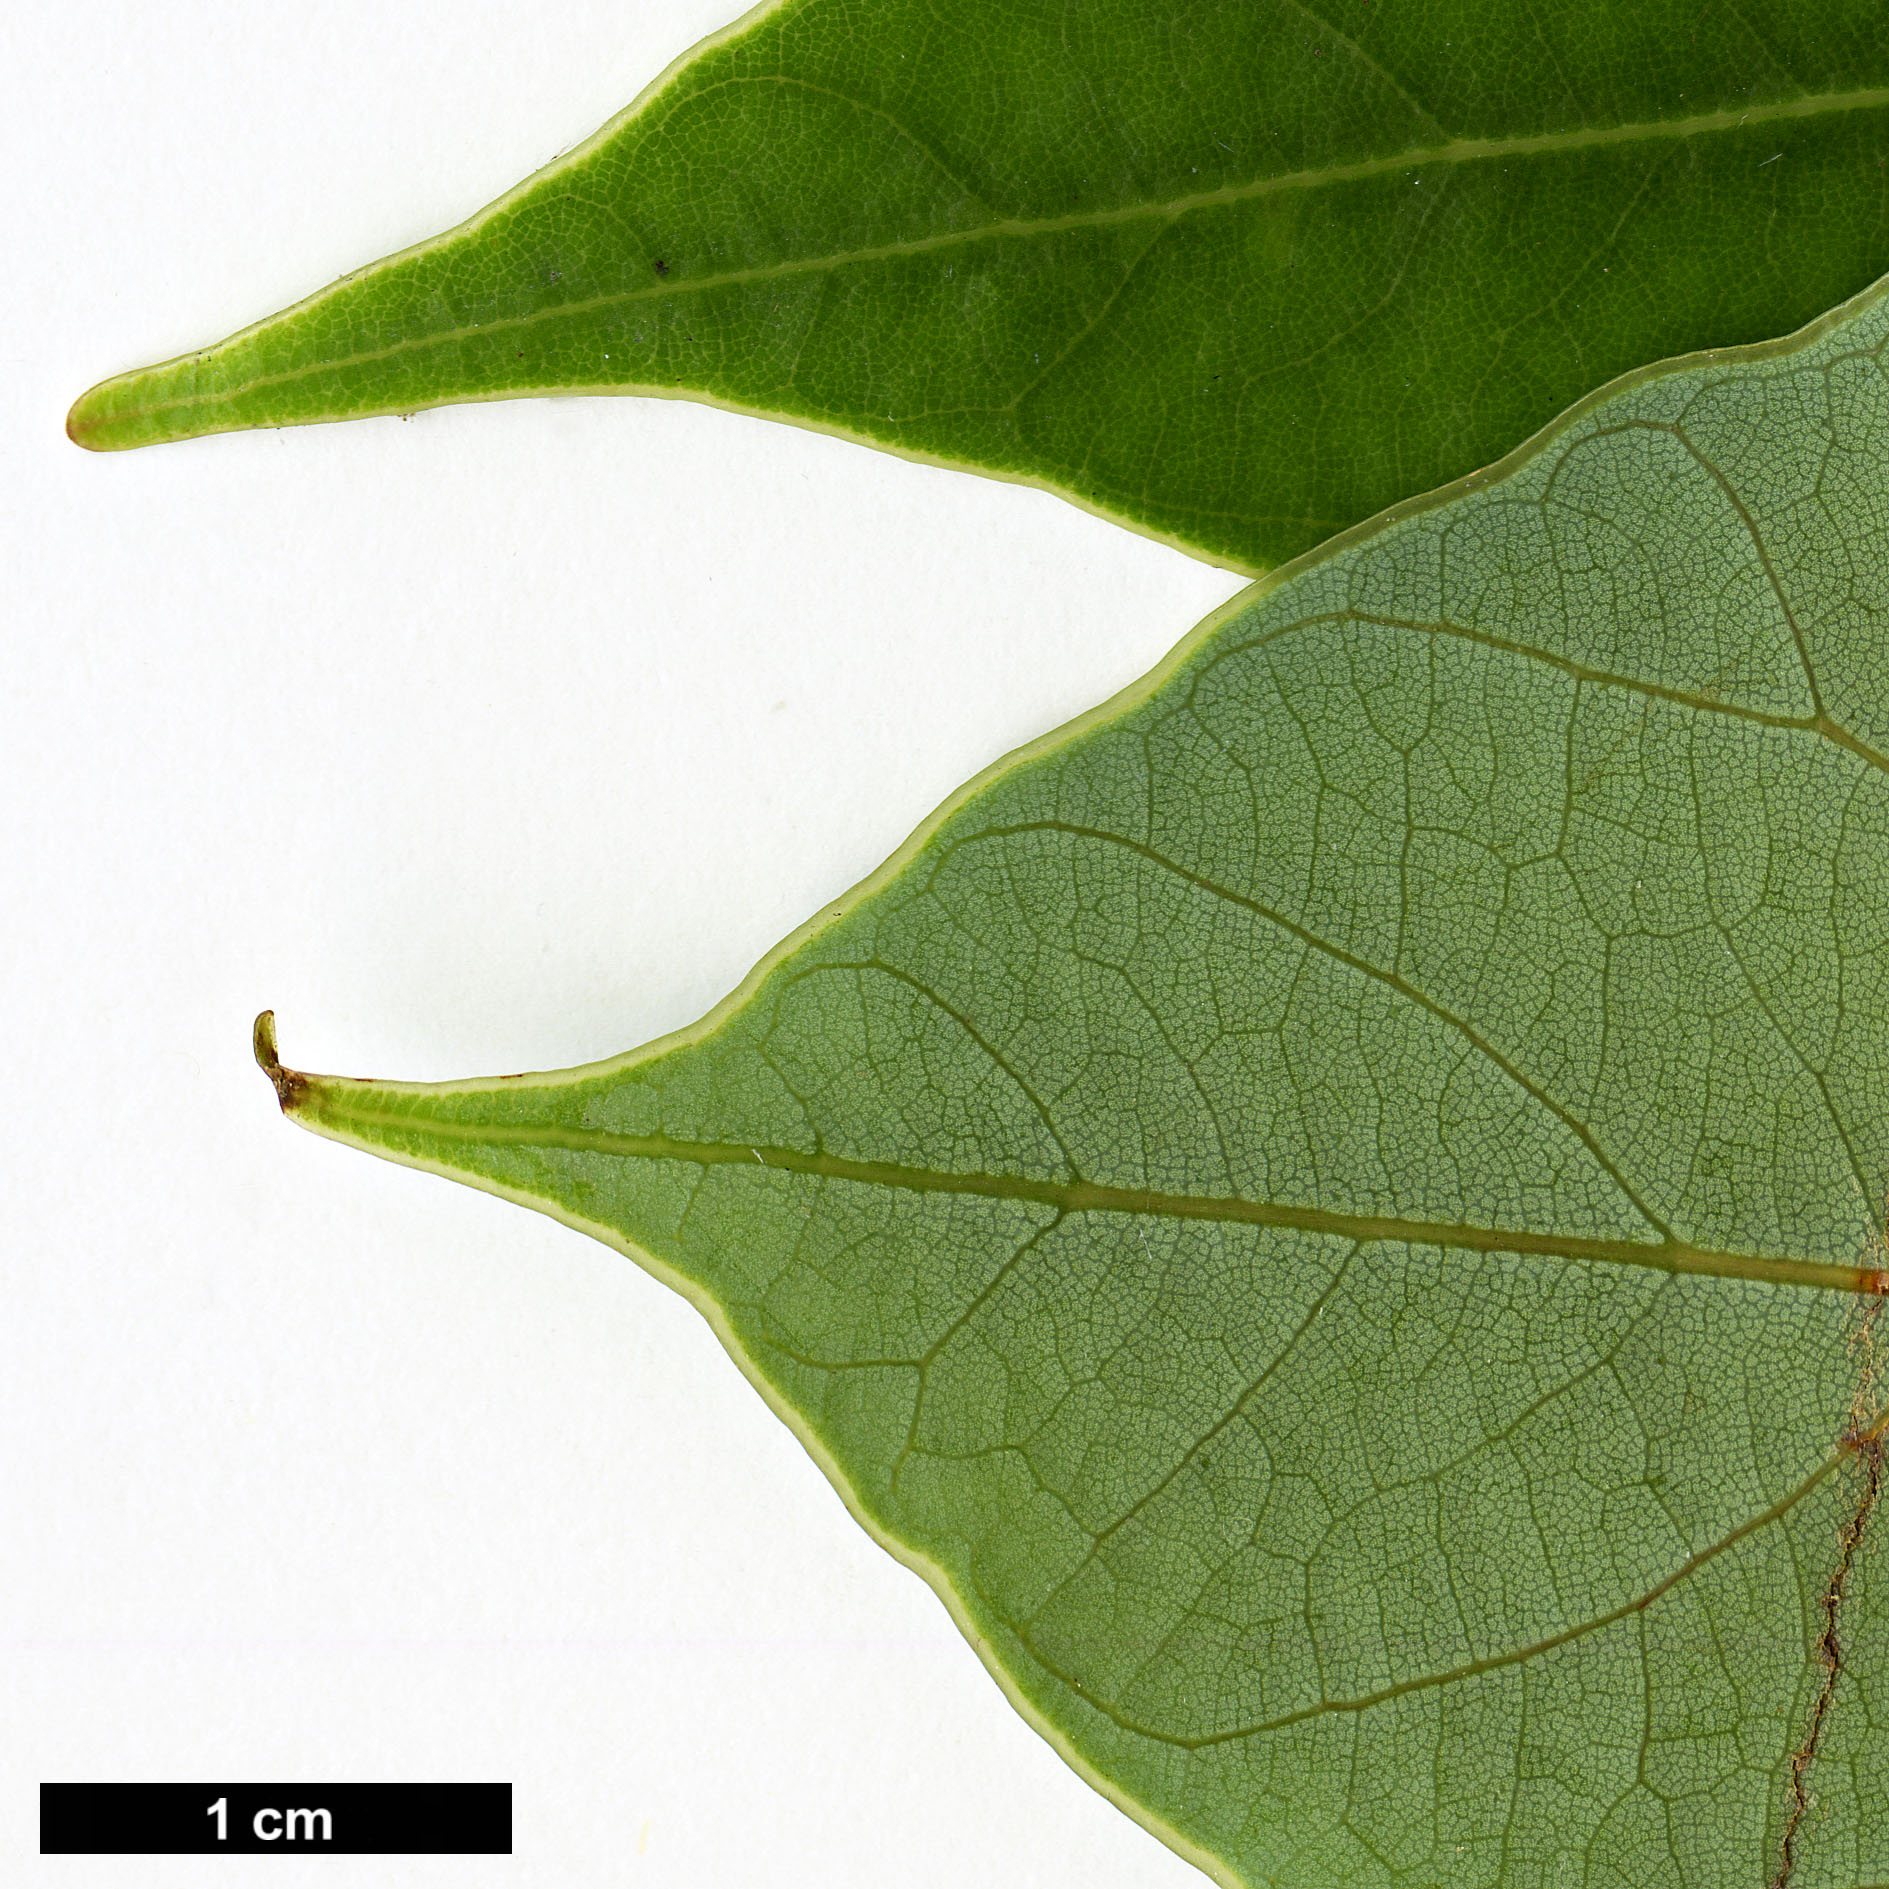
1332, 1208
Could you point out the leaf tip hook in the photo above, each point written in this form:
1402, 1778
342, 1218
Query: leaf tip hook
290, 1084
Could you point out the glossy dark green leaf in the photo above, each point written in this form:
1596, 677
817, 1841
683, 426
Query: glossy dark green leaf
1237, 273
1333, 1208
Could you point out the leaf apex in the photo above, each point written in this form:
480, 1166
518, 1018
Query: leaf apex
150, 406
291, 1086
83, 422
104, 420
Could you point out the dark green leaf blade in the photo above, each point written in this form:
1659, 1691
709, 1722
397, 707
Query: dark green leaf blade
1333, 1208
1237, 274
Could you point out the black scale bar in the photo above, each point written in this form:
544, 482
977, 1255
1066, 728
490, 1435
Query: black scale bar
279, 1819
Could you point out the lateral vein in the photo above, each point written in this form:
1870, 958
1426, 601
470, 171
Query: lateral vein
1470, 1669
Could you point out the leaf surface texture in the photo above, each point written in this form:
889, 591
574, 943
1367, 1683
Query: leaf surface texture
1237, 274
1333, 1208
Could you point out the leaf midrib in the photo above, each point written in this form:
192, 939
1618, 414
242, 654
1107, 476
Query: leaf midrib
323, 1105
1457, 151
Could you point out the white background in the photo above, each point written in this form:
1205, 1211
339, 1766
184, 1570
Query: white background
507, 737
